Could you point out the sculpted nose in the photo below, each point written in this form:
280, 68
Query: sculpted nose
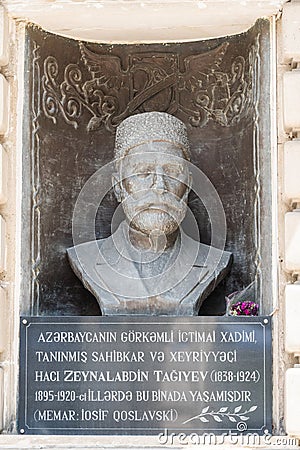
159, 183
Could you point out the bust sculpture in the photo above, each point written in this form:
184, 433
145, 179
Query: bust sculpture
149, 266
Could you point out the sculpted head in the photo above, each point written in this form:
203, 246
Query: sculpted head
153, 178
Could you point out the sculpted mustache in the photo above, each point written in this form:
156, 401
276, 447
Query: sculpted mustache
168, 203
162, 207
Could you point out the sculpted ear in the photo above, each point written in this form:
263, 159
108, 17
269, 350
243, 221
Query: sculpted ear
117, 186
190, 182
189, 187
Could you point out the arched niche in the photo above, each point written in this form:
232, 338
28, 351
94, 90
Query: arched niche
76, 94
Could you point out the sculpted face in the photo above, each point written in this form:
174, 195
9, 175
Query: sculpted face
153, 186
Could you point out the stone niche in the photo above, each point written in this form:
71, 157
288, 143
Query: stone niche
78, 92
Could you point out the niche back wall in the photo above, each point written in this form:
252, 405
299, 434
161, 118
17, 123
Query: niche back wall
76, 95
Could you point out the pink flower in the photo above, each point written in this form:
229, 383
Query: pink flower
247, 308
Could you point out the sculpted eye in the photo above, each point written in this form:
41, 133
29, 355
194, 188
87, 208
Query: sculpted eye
144, 172
173, 170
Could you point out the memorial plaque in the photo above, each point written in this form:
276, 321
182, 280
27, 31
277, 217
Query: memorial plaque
143, 375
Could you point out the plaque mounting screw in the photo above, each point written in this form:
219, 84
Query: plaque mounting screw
266, 431
22, 431
266, 321
24, 321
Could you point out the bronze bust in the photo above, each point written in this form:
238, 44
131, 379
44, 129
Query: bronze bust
149, 266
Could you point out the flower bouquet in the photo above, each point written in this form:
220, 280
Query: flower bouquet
240, 303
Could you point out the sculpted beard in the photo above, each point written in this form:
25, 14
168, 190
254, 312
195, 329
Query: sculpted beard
152, 213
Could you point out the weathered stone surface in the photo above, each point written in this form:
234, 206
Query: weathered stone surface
132, 21
292, 318
4, 105
4, 37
